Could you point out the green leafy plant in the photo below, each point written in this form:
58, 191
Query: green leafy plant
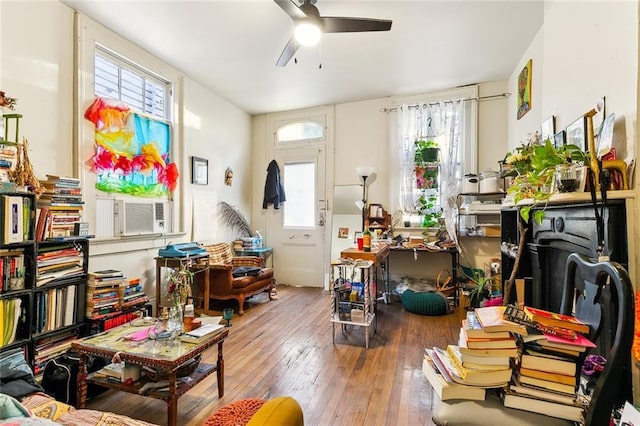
481, 285
534, 165
427, 206
421, 145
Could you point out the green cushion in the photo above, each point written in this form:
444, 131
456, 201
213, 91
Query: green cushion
425, 303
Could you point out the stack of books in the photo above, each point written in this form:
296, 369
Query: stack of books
57, 262
202, 333
59, 208
132, 295
51, 347
104, 293
547, 373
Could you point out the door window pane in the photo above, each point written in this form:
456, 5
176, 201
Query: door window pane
299, 188
300, 131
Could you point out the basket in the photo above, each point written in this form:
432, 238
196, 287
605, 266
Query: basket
445, 284
186, 369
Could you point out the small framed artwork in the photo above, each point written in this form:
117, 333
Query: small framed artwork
199, 171
375, 210
548, 129
524, 90
560, 139
343, 232
577, 133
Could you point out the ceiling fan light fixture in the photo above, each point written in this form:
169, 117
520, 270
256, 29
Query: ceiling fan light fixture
307, 32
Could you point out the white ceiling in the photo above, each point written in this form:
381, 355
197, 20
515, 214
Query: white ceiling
231, 46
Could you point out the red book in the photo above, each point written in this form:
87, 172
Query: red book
553, 319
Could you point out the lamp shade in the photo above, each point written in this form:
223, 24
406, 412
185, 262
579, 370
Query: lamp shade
364, 171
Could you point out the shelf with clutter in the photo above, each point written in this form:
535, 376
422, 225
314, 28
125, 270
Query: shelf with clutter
379, 219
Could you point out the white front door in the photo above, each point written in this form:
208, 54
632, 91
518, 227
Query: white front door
297, 229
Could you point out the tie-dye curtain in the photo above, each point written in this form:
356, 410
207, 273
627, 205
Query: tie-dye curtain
131, 153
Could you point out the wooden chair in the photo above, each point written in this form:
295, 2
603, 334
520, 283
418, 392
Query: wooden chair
601, 295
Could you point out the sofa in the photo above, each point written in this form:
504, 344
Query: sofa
223, 285
23, 401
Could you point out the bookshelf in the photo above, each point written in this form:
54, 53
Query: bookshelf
43, 285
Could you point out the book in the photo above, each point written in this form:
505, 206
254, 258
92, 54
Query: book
551, 377
491, 344
448, 390
580, 343
462, 345
537, 361
492, 320
452, 362
553, 409
202, 333
474, 329
546, 384
487, 360
553, 319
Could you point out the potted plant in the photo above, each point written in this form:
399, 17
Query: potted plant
426, 151
426, 176
479, 288
534, 167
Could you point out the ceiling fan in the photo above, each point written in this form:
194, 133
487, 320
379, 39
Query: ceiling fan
309, 25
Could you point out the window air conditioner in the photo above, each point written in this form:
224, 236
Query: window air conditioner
140, 217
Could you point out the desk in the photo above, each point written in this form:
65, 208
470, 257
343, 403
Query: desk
263, 252
156, 354
454, 264
379, 256
197, 264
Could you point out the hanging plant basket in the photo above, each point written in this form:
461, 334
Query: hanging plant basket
430, 155
426, 177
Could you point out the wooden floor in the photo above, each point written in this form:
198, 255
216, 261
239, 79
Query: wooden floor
284, 347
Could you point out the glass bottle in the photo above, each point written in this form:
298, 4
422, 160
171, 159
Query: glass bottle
366, 237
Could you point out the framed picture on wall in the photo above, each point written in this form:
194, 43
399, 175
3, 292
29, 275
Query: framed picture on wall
524, 90
199, 171
560, 139
577, 133
548, 129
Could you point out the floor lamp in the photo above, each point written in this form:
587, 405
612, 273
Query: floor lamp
364, 172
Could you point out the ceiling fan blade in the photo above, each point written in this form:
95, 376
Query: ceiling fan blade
288, 52
291, 9
337, 24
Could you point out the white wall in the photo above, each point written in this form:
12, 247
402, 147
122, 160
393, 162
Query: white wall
362, 137
36, 67
585, 50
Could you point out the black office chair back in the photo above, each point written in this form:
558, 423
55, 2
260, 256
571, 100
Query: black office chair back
601, 295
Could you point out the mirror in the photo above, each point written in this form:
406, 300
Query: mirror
347, 217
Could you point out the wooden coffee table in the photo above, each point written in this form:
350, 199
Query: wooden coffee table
158, 354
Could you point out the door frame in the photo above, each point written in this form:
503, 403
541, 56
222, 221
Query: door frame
264, 146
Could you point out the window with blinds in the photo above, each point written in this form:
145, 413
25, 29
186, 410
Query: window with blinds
117, 78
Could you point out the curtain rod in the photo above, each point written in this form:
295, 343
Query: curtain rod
480, 98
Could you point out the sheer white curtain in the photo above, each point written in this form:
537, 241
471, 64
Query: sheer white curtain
440, 121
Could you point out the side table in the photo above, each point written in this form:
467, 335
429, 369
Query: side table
196, 264
263, 252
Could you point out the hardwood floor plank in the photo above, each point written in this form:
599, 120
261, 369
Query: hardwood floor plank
284, 347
